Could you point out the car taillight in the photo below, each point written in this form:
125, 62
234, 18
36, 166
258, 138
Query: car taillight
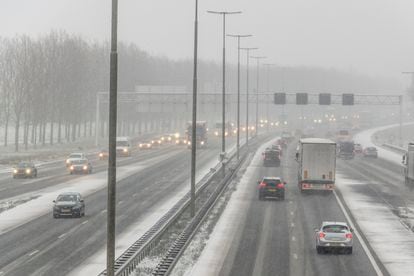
262, 185
280, 186
321, 235
348, 235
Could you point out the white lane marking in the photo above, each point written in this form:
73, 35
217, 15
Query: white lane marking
134, 195
103, 211
295, 256
293, 238
1, 272
120, 202
290, 201
34, 252
61, 236
85, 222
292, 224
292, 213
356, 232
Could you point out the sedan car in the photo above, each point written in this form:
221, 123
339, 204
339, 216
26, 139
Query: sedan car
370, 152
334, 236
69, 204
25, 170
271, 186
145, 145
358, 148
80, 166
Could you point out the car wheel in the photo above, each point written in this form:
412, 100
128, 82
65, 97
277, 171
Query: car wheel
319, 250
55, 216
349, 251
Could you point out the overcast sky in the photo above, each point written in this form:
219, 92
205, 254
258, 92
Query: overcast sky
368, 36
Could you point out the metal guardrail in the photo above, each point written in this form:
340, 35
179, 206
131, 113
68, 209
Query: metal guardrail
394, 147
169, 261
129, 260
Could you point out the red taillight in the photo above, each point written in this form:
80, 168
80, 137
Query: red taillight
348, 235
280, 186
262, 185
321, 235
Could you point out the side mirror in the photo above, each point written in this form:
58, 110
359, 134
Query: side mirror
351, 229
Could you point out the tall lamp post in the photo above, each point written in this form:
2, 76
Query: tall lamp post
268, 91
113, 91
247, 49
223, 129
238, 89
257, 92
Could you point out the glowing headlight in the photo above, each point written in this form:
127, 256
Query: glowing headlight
177, 142
202, 142
162, 138
101, 154
225, 133
189, 143
14, 171
140, 145
185, 141
125, 150
177, 135
216, 133
85, 167
169, 138
28, 171
72, 168
67, 161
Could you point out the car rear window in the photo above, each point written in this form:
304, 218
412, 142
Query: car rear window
335, 229
272, 183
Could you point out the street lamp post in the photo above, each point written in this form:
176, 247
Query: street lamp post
248, 49
223, 129
257, 93
268, 91
238, 89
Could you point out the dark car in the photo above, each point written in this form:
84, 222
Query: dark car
370, 152
272, 187
69, 204
80, 166
25, 170
145, 145
271, 157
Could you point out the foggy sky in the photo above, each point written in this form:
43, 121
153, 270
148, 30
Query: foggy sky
374, 37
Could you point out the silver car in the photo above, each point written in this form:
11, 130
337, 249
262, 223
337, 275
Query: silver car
334, 235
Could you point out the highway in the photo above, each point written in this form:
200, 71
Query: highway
47, 246
277, 237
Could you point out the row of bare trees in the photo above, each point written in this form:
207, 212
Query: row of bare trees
48, 84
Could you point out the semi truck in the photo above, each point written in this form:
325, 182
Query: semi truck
346, 149
317, 164
408, 162
201, 134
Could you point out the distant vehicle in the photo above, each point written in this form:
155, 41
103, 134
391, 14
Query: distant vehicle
25, 170
403, 212
343, 135
317, 164
271, 157
181, 141
228, 129
370, 152
69, 204
334, 236
168, 138
123, 146
357, 148
80, 166
201, 134
346, 150
103, 154
156, 141
145, 145
72, 156
271, 186
408, 162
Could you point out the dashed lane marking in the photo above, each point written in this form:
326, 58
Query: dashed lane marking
292, 213
85, 222
34, 252
61, 236
292, 224
120, 202
293, 238
103, 211
295, 256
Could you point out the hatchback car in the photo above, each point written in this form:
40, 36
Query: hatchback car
80, 166
271, 187
69, 204
370, 152
25, 169
334, 236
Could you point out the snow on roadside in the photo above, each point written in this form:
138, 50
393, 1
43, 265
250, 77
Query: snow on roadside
30, 210
389, 238
97, 262
220, 240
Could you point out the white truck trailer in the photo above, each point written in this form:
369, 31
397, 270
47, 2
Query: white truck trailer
408, 162
317, 163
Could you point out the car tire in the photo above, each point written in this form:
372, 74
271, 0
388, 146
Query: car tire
319, 250
349, 251
55, 216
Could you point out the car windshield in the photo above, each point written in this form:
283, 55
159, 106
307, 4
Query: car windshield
80, 161
371, 149
75, 155
66, 198
335, 229
122, 143
23, 165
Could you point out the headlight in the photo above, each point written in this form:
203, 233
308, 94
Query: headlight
15, 171
101, 154
85, 167
177, 142
72, 168
67, 161
216, 133
140, 145
177, 135
202, 142
28, 171
125, 150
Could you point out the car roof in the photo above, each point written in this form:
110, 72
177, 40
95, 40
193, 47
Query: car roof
69, 193
272, 178
77, 153
334, 223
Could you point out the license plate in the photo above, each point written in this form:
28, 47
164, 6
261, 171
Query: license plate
65, 210
272, 190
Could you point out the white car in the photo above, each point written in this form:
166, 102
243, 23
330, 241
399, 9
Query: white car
74, 156
333, 235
